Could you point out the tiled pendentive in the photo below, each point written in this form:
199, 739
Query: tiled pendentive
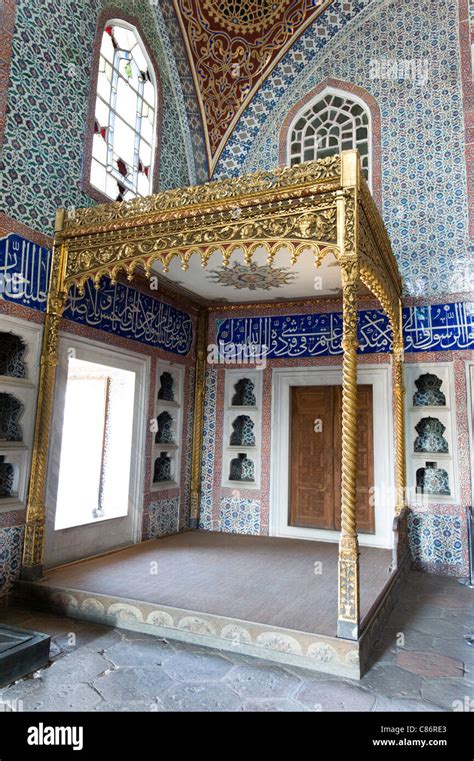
424, 190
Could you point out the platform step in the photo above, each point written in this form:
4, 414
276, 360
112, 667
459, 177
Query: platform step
317, 652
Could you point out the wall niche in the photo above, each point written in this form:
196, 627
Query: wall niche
167, 439
12, 350
432, 480
244, 393
10, 412
7, 477
428, 393
242, 468
430, 436
166, 390
241, 441
163, 469
20, 344
431, 433
243, 432
164, 434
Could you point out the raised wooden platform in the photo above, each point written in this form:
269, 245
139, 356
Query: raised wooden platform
263, 596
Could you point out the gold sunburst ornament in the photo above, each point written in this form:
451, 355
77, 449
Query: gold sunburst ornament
252, 276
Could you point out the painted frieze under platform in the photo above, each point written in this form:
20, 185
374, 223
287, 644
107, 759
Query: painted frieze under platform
319, 652
314, 651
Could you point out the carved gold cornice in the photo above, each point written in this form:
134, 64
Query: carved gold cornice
281, 183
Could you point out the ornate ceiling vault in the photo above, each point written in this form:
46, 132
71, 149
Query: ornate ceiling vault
232, 46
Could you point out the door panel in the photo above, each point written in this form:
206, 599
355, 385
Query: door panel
311, 494
315, 488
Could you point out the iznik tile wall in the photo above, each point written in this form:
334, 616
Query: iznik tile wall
239, 516
423, 162
47, 107
438, 542
11, 541
163, 517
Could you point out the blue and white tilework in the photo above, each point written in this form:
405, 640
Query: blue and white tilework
163, 517
207, 462
240, 516
11, 540
422, 152
435, 540
117, 309
45, 123
438, 327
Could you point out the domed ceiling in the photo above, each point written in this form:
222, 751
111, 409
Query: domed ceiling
232, 45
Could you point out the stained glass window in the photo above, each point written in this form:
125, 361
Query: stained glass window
125, 116
333, 123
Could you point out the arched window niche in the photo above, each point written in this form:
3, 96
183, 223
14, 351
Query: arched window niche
121, 160
333, 117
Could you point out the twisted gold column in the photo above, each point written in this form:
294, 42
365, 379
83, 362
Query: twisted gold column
348, 238
399, 414
349, 595
33, 548
199, 391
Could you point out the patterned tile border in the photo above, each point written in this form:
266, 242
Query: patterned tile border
466, 39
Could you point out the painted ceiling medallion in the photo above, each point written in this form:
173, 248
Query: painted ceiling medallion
252, 276
232, 46
241, 16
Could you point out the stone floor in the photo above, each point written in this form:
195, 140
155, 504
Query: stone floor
422, 664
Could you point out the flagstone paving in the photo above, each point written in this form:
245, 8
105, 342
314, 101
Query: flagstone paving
422, 663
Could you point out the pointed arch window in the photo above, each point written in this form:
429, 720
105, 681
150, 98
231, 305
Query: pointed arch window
123, 142
334, 121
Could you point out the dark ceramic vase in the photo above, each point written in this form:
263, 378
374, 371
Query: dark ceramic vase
166, 387
430, 436
6, 477
244, 394
241, 468
428, 393
162, 470
432, 480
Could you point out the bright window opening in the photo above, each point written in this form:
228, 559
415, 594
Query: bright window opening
125, 116
333, 123
94, 469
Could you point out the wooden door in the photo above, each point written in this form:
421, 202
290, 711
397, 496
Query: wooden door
315, 488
